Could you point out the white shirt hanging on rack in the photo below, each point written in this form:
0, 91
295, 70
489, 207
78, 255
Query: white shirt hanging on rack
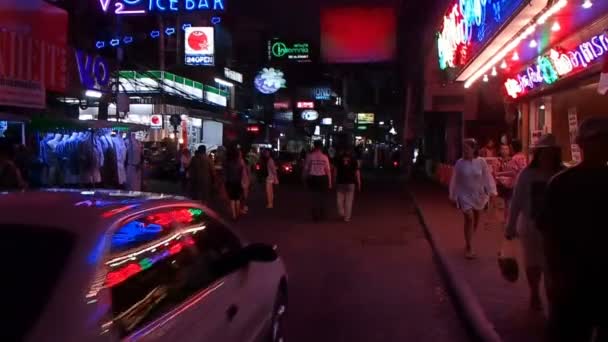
121, 157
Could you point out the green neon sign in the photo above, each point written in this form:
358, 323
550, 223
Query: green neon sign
295, 51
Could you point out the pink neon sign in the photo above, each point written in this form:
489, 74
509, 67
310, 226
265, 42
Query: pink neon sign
557, 64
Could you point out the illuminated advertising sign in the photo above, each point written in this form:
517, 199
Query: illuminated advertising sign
94, 71
468, 25
269, 81
156, 121
281, 105
305, 105
326, 121
131, 7
365, 118
199, 46
284, 116
281, 50
233, 75
322, 93
557, 64
310, 115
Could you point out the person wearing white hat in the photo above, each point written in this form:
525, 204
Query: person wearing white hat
471, 186
526, 204
575, 233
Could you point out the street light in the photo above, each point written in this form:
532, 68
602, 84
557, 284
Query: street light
224, 83
93, 93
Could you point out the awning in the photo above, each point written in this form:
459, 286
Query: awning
49, 124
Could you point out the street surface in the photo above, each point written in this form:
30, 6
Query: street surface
373, 279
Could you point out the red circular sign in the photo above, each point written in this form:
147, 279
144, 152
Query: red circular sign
198, 41
155, 120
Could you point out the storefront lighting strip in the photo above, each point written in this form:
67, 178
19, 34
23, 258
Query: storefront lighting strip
515, 43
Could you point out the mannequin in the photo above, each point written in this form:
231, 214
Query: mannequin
121, 156
53, 160
134, 153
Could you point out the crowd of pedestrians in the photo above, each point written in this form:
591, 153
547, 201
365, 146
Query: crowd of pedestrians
556, 213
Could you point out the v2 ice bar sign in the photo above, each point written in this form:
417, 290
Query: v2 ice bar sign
199, 46
126, 7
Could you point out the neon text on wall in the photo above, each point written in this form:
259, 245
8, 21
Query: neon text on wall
94, 71
469, 23
557, 64
130, 7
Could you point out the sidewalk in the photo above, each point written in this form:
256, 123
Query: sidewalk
505, 304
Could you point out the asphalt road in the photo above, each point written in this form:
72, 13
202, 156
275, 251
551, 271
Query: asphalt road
373, 279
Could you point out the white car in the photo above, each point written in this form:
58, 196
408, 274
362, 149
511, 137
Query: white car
123, 266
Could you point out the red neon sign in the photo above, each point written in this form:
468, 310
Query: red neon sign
306, 105
253, 129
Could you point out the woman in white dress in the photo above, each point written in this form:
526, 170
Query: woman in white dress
525, 206
471, 186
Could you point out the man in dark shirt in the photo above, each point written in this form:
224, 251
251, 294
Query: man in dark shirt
576, 241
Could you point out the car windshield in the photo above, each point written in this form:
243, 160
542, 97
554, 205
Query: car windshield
34, 259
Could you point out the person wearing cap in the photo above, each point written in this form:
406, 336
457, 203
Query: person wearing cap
471, 186
575, 234
525, 206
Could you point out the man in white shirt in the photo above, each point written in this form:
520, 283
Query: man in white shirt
317, 172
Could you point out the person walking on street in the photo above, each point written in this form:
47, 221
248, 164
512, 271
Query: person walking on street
10, 176
525, 206
184, 167
347, 177
201, 176
317, 172
504, 179
234, 169
246, 183
471, 186
573, 224
269, 176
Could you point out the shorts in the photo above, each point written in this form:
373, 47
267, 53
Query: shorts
234, 190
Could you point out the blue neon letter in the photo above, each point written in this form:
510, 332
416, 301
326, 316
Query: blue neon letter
218, 4
159, 6
203, 4
173, 5
190, 4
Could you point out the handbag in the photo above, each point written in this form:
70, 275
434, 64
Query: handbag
507, 261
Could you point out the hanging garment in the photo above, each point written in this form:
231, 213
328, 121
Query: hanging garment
134, 167
121, 159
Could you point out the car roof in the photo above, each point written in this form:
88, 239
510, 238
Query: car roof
72, 209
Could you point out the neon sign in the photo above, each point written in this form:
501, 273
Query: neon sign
269, 81
467, 25
297, 51
557, 64
133, 7
94, 72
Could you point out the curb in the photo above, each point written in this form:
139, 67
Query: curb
480, 325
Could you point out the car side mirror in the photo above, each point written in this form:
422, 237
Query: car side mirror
260, 252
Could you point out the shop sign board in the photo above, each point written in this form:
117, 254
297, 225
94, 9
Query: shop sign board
141, 7
305, 105
281, 105
322, 93
285, 116
156, 121
282, 50
557, 64
573, 130
20, 93
365, 118
469, 25
310, 115
233, 75
269, 81
199, 46
94, 71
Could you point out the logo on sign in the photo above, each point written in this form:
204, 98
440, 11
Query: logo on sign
199, 46
322, 93
156, 120
94, 71
126, 7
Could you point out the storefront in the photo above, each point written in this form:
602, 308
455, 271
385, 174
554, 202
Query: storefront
556, 87
155, 96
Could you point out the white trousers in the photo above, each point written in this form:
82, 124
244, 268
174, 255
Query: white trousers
346, 196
